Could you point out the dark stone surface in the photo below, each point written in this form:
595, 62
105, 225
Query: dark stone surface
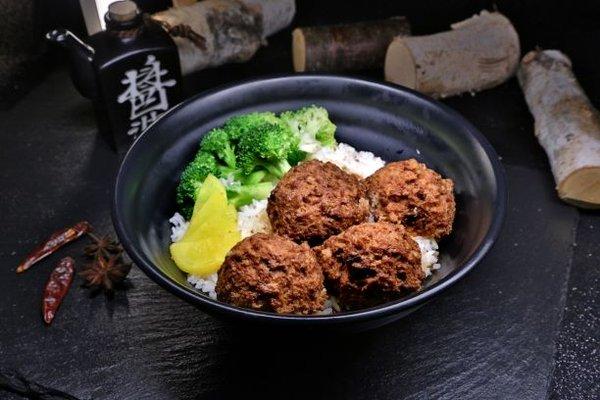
577, 370
20, 48
524, 324
491, 336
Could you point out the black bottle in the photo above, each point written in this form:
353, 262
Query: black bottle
130, 71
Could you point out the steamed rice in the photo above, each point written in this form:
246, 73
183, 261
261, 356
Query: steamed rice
429, 254
361, 163
253, 218
178, 228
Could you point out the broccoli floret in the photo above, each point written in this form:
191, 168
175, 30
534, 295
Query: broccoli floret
295, 156
191, 180
217, 142
240, 125
240, 195
267, 143
275, 169
255, 150
255, 177
312, 125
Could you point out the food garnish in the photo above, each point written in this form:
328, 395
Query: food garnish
108, 267
105, 273
212, 231
53, 243
57, 287
102, 246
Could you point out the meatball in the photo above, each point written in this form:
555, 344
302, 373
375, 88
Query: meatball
409, 193
370, 264
272, 273
315, 200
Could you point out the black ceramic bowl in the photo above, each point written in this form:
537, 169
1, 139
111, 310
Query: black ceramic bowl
390, 121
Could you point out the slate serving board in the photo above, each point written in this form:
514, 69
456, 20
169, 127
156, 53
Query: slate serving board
524, 324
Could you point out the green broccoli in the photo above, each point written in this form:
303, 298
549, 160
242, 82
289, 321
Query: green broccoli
267, 143
255, 177
295, 156
191, 180
240, 195
218, 143
241, 125
256, 150
312, 125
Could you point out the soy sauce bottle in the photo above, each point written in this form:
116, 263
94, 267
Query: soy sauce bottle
130, 71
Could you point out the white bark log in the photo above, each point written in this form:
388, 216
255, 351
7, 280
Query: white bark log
566, 125
478, 53
230, 30
277, 14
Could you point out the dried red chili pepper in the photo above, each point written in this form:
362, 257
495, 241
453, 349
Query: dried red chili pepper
53, 243
57, 287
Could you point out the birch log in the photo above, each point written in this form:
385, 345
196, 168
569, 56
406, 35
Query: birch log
478, 53
566, 125
345, 47
215, 32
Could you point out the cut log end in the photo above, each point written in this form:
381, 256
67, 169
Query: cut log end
566, 125
299, 50
400, 66
582, 188
478, 53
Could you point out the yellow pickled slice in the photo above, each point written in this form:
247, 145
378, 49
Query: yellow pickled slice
205, 217
202, 257
210, 186
211, 234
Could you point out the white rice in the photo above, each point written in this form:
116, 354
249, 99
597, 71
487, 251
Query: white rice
178, 228
205, 284
253, 217
331, 306
361, 163
429, 254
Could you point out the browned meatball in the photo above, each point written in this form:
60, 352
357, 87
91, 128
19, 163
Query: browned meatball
409, 193
272, 273
315, 200
370, 264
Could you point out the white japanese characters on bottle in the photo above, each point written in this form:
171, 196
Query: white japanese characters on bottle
146, 93
131, 72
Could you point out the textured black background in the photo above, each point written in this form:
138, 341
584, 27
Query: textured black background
523, 325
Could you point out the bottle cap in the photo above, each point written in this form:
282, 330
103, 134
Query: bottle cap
123, 11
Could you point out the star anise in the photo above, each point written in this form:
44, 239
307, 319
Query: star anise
105, 272
103, 246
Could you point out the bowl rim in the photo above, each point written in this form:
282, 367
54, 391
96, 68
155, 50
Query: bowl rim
395, 307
